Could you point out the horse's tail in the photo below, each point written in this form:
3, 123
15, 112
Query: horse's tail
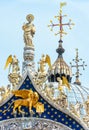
8, 107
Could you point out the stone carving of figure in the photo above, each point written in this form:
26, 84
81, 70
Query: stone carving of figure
14, 76
42, 65
4, 92
49, 92
29, 30
87, 106
15, 66
86, 117
76, 109
60, 86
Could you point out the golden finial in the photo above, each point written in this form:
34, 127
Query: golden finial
62, 4
61, 25
77, 66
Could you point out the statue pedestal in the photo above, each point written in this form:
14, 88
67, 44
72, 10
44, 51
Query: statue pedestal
28, 56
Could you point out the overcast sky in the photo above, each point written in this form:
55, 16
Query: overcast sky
13, 15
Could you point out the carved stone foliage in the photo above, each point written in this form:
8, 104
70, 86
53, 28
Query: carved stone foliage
14, 79
31, 124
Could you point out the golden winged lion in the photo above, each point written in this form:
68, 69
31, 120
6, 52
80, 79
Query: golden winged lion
29, 99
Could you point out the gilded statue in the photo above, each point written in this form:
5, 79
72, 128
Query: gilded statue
29, 30
12, 61
60, 86
29, 99
43, 61
41, 76
42, 64
14, 74
63, 82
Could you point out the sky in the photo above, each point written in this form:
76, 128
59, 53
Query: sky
12, 17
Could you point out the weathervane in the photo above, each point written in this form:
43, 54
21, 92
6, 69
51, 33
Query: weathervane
61, 24
77, 65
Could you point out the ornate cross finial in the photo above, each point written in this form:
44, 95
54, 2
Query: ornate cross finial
77, 66
61, 24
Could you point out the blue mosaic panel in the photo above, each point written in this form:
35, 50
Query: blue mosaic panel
50, 112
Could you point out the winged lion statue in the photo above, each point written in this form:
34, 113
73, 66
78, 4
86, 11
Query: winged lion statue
29, 99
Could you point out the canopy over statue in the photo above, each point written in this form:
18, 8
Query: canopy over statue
29, 30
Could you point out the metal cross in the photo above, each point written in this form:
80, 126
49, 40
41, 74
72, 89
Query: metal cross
77, 66
61, 24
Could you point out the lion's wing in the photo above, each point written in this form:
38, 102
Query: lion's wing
21, 93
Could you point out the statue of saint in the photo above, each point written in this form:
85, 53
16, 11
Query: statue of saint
29, 30
42, 64
15, 65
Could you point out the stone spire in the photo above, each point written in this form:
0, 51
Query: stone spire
28, 55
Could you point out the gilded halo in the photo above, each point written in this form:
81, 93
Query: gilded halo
30, 17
